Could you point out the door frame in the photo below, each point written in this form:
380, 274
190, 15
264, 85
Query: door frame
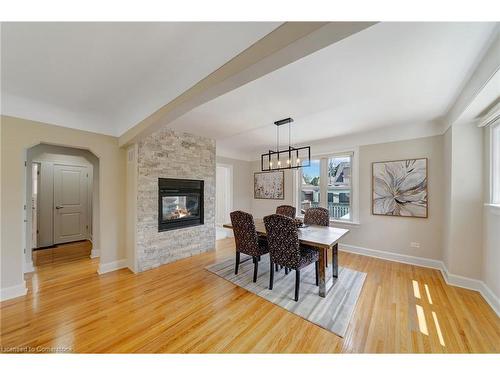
26, 248
229, 196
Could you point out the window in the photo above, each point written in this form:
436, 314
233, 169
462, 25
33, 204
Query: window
309, 194
339, 187
495, 164
327, 183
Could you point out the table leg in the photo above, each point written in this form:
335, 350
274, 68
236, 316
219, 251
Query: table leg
322, 272
335, 260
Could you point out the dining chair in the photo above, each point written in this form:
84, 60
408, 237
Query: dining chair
247, 240
318, 216
285, 248
286, 210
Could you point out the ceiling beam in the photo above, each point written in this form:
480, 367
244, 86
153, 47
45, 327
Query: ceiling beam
284, 45
483, 75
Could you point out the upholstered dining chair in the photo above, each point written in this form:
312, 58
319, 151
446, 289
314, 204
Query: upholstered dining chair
318, 216
247, 240
286, 210
285, 249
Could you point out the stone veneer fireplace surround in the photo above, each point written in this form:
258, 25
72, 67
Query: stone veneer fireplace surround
172, 155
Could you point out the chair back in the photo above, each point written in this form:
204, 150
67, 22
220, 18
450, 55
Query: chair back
286, 211
283, 240
317, 216
245, 235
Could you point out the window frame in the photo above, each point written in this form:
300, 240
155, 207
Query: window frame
494, 164
354, 188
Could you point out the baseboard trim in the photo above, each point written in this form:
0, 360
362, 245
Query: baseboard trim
95, 253
13, 291
112, 266
386, 255
28, 267
449, 278
473, 284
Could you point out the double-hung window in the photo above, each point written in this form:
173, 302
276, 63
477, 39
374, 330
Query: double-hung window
339, 187
328, 183
495, 164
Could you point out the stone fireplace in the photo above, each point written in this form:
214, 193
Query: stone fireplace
175, 197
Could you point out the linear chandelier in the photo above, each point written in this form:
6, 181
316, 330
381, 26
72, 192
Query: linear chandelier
289, 158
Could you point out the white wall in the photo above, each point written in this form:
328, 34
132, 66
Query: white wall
464, 246
491, 229
395, 234
390, 234
242, 182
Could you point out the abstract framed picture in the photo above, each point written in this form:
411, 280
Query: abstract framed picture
399, 188
269, 185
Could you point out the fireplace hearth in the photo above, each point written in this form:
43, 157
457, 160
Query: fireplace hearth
180, 203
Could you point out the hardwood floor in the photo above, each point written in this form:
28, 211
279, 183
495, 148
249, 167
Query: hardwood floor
62, 253
181, 308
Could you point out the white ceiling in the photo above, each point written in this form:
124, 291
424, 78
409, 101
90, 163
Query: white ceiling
389, 75
106, 77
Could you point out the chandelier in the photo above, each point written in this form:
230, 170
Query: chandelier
289, 158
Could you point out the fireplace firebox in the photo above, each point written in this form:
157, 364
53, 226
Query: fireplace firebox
180, 203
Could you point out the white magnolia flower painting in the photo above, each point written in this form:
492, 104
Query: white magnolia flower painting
400, 188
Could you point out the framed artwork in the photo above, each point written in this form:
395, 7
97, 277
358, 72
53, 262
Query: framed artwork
399, 188
269, 185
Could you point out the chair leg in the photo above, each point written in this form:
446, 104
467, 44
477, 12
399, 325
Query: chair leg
271, 277
276, 267
237, 262
317, 273
326, 258
286, 270
297, 284
255, 268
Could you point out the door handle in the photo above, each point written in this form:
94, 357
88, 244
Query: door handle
59, 207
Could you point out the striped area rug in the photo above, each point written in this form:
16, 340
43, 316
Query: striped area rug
332, 312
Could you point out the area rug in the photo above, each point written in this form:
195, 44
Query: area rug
332, 312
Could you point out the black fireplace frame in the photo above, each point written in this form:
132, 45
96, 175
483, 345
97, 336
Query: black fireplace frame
179, 187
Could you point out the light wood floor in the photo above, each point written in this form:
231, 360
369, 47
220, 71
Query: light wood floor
180, 307
62, 253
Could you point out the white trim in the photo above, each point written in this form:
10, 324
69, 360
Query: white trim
334, 221
491, 117
345, 222
112, 266
386, 255
230, 183
353, 153
473, 284
449, 278
28, 267
95, 253
13, 291
494, 208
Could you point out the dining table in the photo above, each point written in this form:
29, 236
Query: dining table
322, 239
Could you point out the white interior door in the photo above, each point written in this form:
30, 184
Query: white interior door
70, 203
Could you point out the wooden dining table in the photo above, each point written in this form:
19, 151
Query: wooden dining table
322, 239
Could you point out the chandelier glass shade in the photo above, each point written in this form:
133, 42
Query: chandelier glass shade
288, 158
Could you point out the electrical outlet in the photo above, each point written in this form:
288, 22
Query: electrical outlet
415, 244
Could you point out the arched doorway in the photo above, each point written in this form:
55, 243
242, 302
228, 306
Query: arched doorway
62, 201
